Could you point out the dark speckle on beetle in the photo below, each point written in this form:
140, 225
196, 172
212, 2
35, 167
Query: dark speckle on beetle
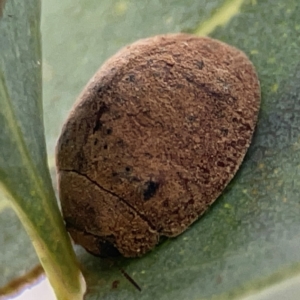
150, 189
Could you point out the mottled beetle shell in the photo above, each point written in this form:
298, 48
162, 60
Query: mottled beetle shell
153, 140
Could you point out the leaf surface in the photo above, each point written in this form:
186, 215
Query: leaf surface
249, 239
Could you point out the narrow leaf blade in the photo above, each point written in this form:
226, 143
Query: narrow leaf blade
24, 174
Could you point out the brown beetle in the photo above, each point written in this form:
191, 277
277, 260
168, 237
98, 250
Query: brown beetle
152, 141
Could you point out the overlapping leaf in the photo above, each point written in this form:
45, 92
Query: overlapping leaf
24, 175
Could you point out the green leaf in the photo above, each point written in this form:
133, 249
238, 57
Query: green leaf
24, 175
249, 240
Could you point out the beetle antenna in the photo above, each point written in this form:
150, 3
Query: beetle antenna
130, 279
